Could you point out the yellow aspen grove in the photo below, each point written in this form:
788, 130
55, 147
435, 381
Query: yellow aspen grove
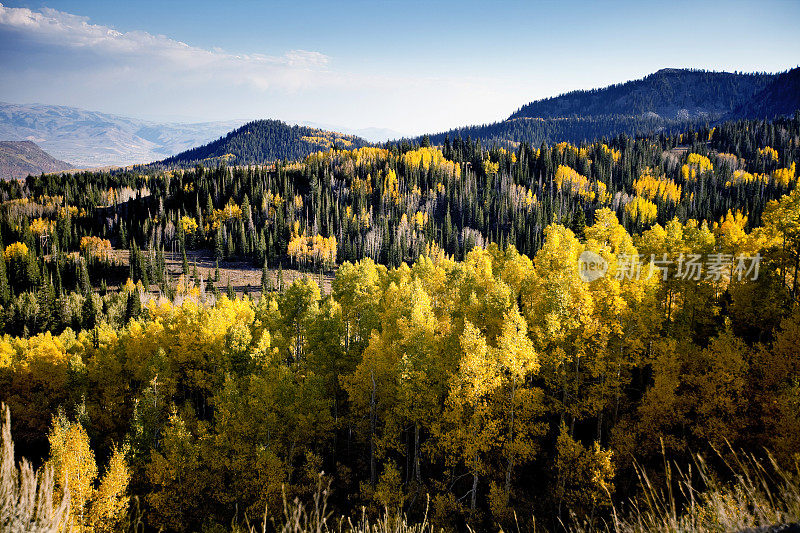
768, 153
188, 225
651, 188
41, 226
96, 248
580, 185
696, 166
641, 210
110, 505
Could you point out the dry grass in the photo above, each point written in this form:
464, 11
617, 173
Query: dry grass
315, 518
27, 498
759, 496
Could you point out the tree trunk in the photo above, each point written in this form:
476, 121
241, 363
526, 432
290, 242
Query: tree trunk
474, 496
417, 473
372, 420
510, 464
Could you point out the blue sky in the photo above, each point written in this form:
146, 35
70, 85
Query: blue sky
408, 66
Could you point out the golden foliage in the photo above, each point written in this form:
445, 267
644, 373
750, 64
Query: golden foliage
652, 187
188, 225
579, 185
641, 210
696, 165
15, 250
96, 248
768, 153
318, 250
431, 159
41, 226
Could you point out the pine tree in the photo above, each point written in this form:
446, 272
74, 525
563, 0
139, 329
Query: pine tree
578, 223
133, 306
84, 284
88, 312
219, 250
5, 292
184, 262
264, 278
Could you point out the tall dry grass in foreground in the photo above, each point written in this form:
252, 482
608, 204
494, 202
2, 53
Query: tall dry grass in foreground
759, 495
315, 518
27, 499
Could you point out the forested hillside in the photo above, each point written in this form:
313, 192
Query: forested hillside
263, 141
460, 367
780, 98
391, 204
669, 93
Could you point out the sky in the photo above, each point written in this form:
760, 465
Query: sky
410, 66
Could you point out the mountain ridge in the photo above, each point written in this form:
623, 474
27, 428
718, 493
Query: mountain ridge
781, 97
667, 92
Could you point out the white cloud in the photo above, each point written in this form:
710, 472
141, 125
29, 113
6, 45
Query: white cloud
157, 53
138, 73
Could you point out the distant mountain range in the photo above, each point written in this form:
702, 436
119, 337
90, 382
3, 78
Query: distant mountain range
669, 99
262, 141
91, 139
18, 159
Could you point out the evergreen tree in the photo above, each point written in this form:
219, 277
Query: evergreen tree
5, 292
578, 224
265, 279
88, 311
133, 306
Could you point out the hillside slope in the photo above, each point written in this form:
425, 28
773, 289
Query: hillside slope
19, 159
673, 94
263, 141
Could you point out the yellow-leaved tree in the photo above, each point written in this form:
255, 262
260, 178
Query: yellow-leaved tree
93, 507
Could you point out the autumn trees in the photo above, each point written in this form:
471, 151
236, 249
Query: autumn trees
460, 352
471, 381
